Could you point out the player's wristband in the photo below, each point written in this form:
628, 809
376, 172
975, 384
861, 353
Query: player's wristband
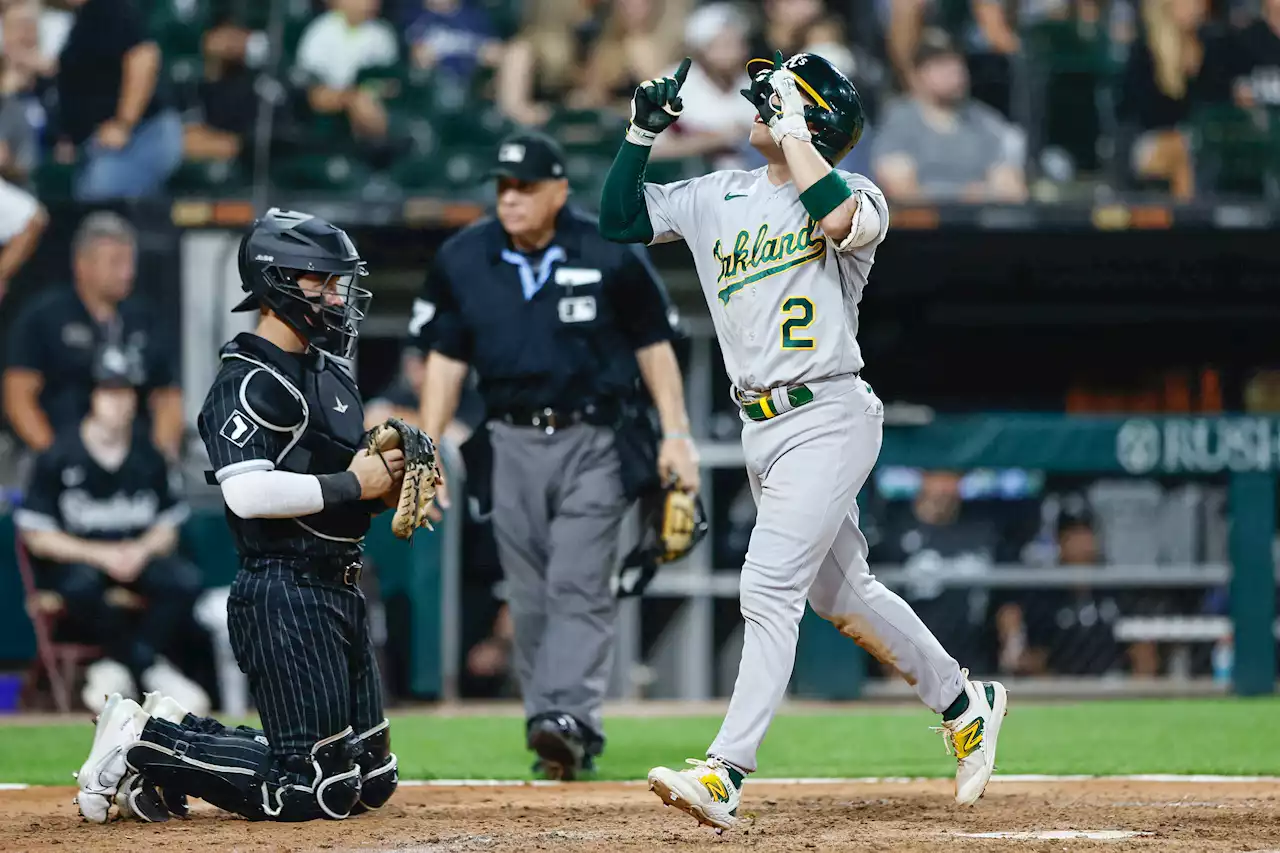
339, 488
674, 436
640, 136
826, 195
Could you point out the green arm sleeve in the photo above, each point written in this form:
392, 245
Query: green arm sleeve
624, 217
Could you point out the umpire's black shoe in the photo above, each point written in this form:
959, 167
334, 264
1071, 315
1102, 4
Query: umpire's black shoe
561, 745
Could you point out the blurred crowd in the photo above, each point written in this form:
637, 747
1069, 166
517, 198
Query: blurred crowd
968, 100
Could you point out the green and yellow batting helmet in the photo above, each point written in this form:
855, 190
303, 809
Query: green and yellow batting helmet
836, 116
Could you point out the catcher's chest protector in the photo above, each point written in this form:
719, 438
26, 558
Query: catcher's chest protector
332, 431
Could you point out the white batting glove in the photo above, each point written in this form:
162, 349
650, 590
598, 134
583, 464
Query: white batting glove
790, 120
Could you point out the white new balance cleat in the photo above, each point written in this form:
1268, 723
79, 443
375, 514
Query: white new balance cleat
704, 790
972, 737
119, 726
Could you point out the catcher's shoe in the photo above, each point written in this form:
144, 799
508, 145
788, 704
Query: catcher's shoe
138, 799
162, 707
972, 737
119, 726
704, 790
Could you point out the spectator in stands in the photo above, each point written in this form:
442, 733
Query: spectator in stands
227, 98
334, 49
1066, 630
20, 109
47, 382
1257, 57
52, 27
1171, 67
540, 66
111, 107
802, 26
941, 145
100, 512
22, 221
454, 36
716, 119
637, 43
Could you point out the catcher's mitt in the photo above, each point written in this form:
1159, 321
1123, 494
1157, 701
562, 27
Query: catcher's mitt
421, 474
674, 522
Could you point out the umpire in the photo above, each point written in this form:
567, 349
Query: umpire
282, 424
560, 326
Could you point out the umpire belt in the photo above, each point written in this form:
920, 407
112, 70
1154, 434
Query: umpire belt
551, 419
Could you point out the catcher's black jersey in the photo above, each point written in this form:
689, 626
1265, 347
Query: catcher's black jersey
71, 491
269, 409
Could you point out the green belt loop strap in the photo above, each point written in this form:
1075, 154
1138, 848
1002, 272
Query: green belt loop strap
762, 409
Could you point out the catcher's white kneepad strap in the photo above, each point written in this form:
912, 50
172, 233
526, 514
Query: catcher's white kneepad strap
865, 226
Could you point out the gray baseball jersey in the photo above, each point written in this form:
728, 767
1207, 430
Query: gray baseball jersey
783, 299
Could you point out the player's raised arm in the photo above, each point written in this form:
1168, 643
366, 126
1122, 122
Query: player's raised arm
625, 216
814, 132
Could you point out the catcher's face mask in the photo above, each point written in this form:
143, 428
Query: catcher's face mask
326, 308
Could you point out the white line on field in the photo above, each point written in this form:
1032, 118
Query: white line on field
1195, 778
871, 780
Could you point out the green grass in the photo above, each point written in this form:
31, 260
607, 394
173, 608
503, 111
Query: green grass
1097, 738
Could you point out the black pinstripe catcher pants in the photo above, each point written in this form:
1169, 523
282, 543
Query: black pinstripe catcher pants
302, 637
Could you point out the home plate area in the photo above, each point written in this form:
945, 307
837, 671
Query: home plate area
881, 816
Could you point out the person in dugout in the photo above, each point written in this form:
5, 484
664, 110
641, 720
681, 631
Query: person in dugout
566, 332
101, 514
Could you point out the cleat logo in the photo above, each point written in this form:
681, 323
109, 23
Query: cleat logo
715, 786
968, 739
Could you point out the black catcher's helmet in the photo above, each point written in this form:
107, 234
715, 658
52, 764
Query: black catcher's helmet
284, 245
836, 116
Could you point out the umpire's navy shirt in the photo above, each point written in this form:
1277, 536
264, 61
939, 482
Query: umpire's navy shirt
58, 338
557, 328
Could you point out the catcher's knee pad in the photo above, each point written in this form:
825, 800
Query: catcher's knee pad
333, 789
379, 774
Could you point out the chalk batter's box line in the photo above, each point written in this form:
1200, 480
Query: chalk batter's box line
816, 780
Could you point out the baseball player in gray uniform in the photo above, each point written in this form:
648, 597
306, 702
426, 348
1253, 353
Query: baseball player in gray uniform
783, 254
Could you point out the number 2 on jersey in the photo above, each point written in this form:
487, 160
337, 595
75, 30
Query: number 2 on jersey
795, 322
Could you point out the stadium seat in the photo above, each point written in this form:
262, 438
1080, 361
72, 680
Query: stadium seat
320, 172
1234, 149
53, 180
58, 662
178, 25
213, 177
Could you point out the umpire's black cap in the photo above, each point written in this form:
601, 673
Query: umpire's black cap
529, 156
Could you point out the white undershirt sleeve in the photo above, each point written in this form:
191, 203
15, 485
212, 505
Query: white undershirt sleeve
272, 494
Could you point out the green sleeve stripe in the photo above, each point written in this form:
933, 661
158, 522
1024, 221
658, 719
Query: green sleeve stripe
624, 216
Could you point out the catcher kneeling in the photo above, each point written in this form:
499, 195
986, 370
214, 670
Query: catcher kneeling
284, 428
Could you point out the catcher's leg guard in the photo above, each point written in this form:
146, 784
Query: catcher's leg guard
334, 782
224, 770
378, 768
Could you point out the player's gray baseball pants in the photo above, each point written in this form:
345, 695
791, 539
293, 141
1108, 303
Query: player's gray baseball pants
557, 507
806, 467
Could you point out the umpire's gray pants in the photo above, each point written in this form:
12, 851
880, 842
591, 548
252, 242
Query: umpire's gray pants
557, 507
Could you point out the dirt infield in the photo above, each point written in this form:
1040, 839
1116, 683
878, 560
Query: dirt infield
915, 816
